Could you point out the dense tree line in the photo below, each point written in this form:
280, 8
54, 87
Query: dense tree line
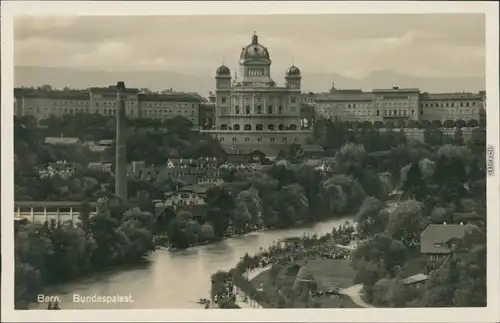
450, 180
57, 252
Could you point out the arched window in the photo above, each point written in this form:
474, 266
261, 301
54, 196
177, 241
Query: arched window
270, 126
281, 127
259, 127
247, 109
259, 109
293, 127
236, 127
247, 127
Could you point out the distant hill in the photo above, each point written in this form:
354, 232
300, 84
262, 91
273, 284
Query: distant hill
161, 80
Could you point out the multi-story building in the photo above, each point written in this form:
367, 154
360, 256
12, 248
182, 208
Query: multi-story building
47, 211
102, 100
398, 104
251, 111
451, 106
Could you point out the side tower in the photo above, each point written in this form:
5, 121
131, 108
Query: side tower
293, 78
222, 95
121, 144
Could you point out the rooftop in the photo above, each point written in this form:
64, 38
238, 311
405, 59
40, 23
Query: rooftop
174, 97
50, 203
435, 237
451, 96
415, 279
61, 140
312, 148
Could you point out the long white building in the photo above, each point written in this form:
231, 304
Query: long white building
399, 104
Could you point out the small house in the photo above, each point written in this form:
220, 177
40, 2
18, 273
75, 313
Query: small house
415, 281
439, 240
311, 151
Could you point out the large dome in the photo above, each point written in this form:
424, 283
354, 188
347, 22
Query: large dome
254, 50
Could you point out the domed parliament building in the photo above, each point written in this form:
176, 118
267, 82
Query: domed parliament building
251, 111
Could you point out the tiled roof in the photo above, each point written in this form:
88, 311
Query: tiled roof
112, 90
396, 90
415, 279
61, 140
198, 188
435, 237
450, 96
345, 96
312, 148
50, 203
313, 162
174, 97
68, 95
268, 150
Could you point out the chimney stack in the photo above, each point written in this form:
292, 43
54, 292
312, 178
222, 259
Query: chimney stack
121, 145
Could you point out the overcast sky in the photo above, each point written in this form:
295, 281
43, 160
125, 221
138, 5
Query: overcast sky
350, 45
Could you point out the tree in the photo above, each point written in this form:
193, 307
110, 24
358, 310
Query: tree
247, 209
371, 218
380, 249
220, 208
288, 206
350, 159
389, 293
406, 223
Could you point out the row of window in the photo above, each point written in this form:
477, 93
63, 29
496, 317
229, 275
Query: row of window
258, 109
259, 127
169, 112
113, 103
447, 104
223, 100
255, 71
400, 112
259, 139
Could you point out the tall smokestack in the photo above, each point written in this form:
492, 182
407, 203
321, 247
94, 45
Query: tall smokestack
121, 145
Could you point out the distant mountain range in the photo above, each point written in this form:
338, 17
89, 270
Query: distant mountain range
162, 80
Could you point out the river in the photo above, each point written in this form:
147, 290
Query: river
174, 279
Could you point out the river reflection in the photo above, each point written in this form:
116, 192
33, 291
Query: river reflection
173, 279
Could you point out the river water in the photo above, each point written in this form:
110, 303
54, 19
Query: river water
174, 279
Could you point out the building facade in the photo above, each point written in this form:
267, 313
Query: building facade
251, 111
102, 100
399, 105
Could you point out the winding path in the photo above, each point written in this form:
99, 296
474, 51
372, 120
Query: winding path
354, 293
250, 275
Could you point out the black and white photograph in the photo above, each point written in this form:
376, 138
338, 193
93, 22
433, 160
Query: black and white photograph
343, 160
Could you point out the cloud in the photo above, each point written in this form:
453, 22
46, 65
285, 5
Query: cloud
354, 45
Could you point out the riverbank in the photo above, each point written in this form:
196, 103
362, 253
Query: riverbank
302, 225
281, 254
148, 282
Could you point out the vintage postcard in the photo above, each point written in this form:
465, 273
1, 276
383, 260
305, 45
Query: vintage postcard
246, 161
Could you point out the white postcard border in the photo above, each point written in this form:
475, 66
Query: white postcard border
9, 9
